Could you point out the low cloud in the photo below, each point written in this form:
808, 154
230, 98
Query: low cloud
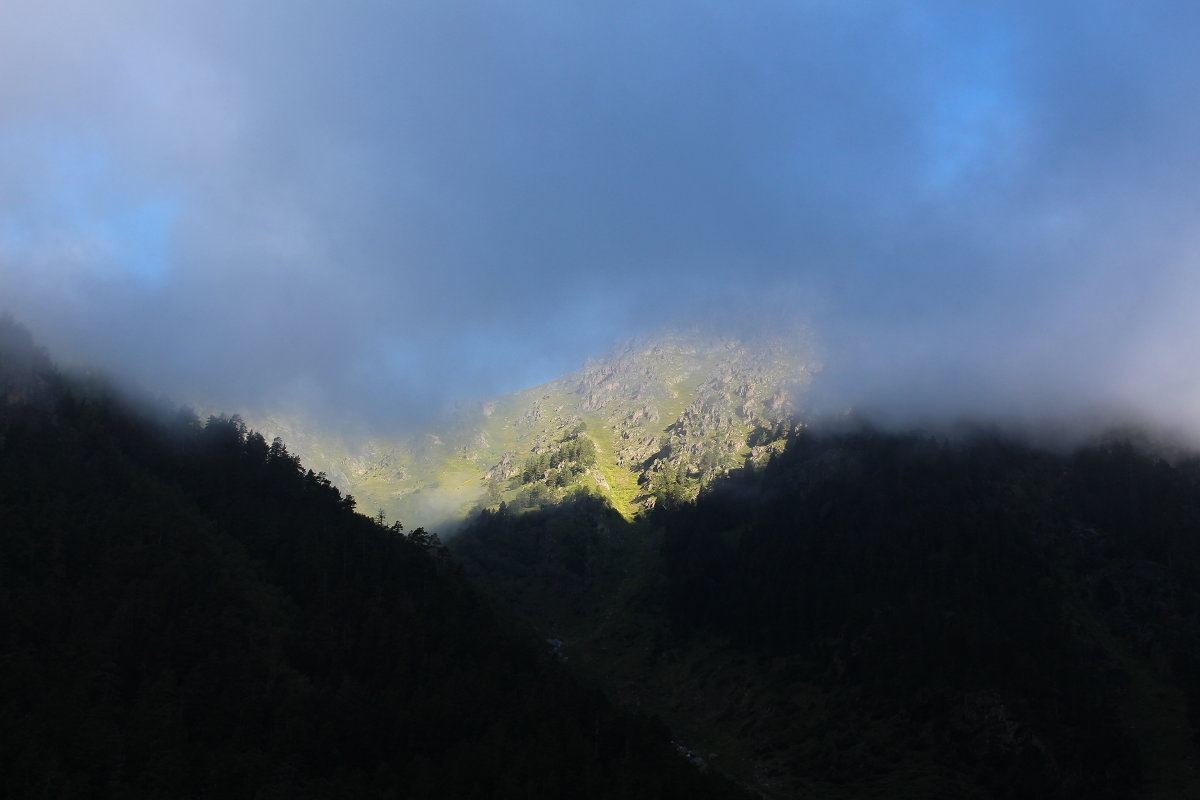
371, 209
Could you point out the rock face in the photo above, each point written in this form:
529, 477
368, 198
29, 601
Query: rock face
682, 411
665, 414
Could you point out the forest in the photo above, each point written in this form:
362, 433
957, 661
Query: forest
187, 612
896, 614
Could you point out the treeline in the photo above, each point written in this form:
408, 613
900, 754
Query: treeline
186, 612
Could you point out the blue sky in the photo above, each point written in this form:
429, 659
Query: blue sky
380, 207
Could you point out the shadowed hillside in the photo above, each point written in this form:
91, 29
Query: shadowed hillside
883, 615
185, 611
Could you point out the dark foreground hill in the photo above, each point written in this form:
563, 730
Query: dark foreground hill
894, 615
186, 612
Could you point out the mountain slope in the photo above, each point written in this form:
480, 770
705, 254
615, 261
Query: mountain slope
894, 615
663, 415
186, 612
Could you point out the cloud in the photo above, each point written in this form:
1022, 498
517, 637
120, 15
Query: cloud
376, 207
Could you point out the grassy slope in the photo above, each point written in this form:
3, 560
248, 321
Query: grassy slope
622, 485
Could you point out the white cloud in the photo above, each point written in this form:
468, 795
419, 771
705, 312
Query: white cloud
993, 198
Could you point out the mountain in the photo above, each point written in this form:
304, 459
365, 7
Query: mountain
833, 613
656, 419
801, 611
186, 611
886, 614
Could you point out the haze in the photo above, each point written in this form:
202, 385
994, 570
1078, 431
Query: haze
374, 208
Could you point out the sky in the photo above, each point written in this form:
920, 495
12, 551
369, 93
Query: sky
375, 208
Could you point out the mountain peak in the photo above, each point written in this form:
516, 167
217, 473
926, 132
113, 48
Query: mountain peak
653, 420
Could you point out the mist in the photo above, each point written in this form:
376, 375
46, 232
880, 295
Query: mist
367, 211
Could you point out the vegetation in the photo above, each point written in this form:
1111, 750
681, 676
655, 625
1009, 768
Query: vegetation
185, 611
877, 614
656, 420
560, 466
